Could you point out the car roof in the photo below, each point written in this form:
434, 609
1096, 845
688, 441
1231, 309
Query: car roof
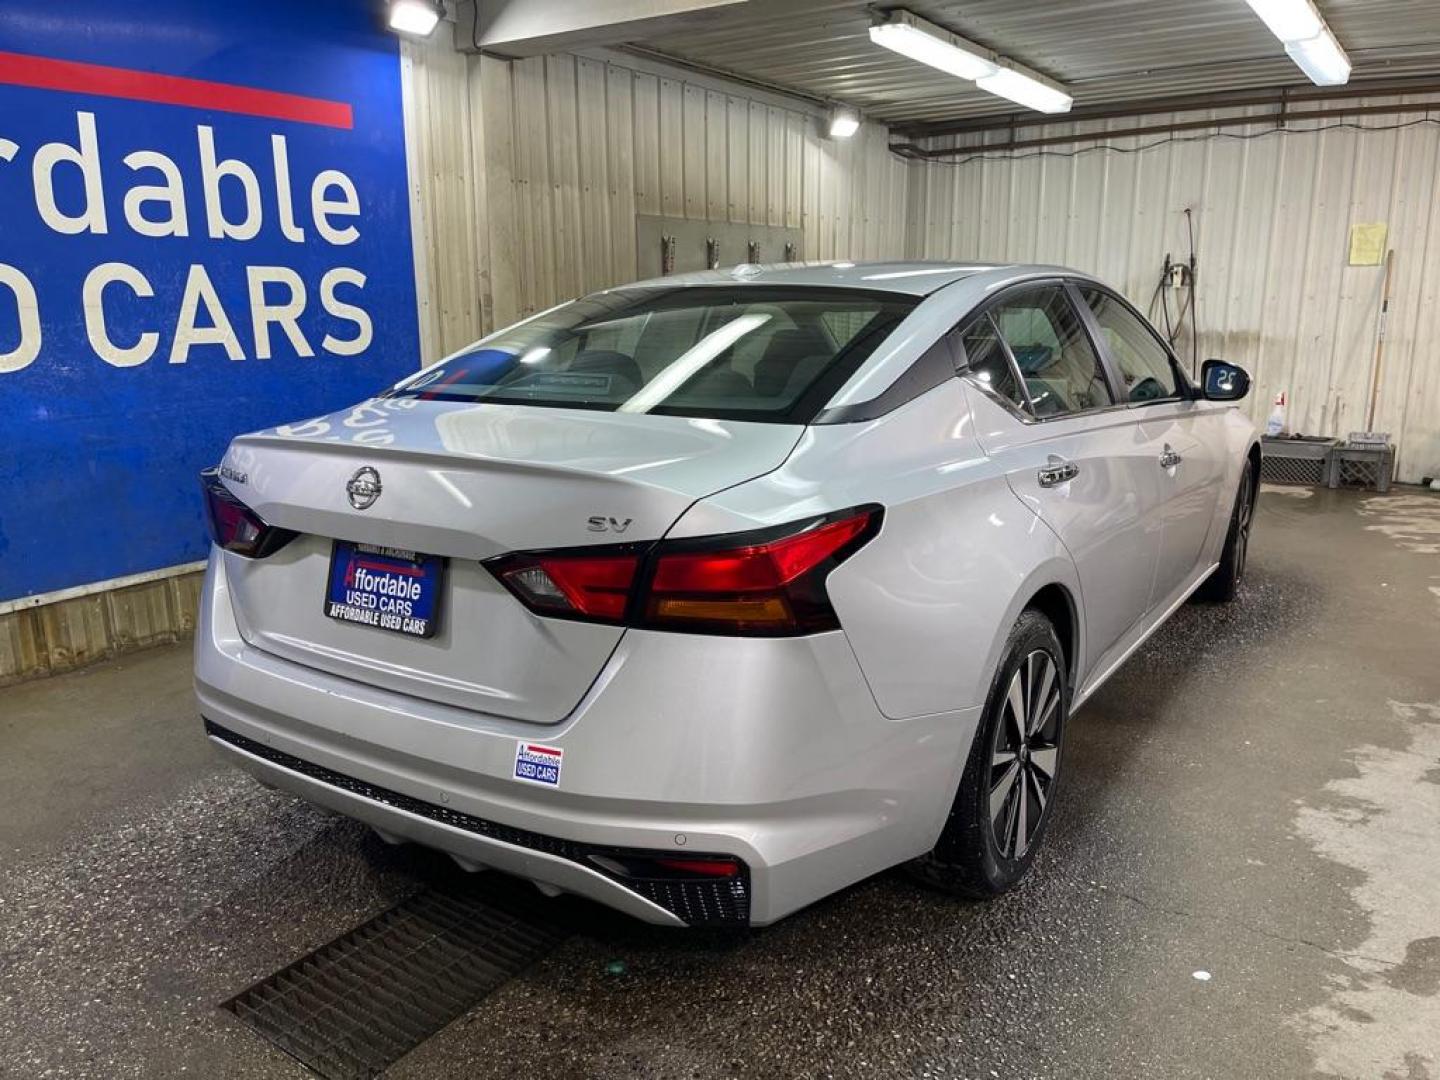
911, 278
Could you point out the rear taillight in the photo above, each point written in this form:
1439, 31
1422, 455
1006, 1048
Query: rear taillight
754, 583
770, 582
234, 526
575, 584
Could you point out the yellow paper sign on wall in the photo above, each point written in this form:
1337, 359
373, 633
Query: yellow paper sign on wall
1367, 244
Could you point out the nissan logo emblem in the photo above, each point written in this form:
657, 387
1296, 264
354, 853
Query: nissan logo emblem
363, 488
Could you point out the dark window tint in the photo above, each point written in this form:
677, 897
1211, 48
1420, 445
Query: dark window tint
1144, 363
745, 353
988, 364
1062, 373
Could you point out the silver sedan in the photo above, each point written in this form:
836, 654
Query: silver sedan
708, 596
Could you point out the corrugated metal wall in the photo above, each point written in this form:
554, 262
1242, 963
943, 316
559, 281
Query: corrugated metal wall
67, 634
1272, 217
564, 151
447, 206
530, 174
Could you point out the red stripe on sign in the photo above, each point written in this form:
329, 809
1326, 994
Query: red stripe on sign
43, 73
407, 570
532, 748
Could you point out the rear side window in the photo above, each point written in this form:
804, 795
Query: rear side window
744, 353
1144, 363
1061, 370
988, 364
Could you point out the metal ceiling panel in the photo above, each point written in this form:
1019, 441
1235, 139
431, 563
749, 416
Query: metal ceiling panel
1104, 51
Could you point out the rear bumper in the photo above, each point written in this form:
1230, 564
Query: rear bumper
477, 843
772, 752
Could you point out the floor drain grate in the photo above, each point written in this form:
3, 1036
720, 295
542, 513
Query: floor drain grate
353, 1007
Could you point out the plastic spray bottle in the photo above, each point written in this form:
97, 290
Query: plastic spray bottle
1275, 426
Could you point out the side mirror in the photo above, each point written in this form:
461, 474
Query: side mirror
1223, 382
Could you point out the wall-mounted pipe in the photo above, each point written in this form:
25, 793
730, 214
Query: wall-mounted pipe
918, 152
1281, 97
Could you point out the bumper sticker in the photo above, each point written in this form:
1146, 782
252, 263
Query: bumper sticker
538, 764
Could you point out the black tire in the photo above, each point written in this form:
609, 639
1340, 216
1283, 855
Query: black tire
1221, 586
981, 853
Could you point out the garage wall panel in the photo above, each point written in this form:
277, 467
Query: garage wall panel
77, 630
569, 149
435, 82
1272, 215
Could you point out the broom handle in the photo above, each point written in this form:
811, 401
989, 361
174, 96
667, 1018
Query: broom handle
1380, 342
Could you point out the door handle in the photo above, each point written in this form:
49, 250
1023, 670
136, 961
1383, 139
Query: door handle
1057, 472
1169, 459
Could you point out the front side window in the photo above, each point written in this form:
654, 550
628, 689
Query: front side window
744, 353
1057, 362
1143, 362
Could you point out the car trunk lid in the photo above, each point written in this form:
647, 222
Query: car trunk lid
467, 482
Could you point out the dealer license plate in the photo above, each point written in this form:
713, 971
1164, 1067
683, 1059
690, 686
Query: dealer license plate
385, 587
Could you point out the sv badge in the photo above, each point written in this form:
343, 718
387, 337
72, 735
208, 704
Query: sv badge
608, 524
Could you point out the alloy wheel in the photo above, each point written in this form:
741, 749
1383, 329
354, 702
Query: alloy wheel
1243, 513
1025, 754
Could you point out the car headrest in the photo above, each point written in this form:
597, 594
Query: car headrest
605, 362
783, 354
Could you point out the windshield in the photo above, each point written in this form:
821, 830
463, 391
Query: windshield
744, 353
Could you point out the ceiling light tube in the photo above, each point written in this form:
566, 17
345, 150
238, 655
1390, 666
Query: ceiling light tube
1289, 20
1321, 58
1039, 94
1307, 39
909, 35
919, 39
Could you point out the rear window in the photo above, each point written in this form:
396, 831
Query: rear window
746, 353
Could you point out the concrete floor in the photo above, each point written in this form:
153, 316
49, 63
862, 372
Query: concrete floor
1255, 796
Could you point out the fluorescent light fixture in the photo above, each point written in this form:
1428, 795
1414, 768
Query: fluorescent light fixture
919, 39
844, 122
416, 17
1321, 58
1308, 41
909, 35
1289, 20
1023, 90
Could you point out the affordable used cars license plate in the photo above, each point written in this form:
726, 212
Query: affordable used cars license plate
386, 587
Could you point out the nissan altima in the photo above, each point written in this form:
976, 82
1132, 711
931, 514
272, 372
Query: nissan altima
707, 596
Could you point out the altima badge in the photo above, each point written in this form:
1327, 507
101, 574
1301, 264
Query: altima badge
363, 488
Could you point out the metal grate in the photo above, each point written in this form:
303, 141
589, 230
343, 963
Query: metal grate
355, 1006
721, 902
1287, 470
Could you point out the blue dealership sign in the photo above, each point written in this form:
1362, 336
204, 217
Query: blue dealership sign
204, 230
